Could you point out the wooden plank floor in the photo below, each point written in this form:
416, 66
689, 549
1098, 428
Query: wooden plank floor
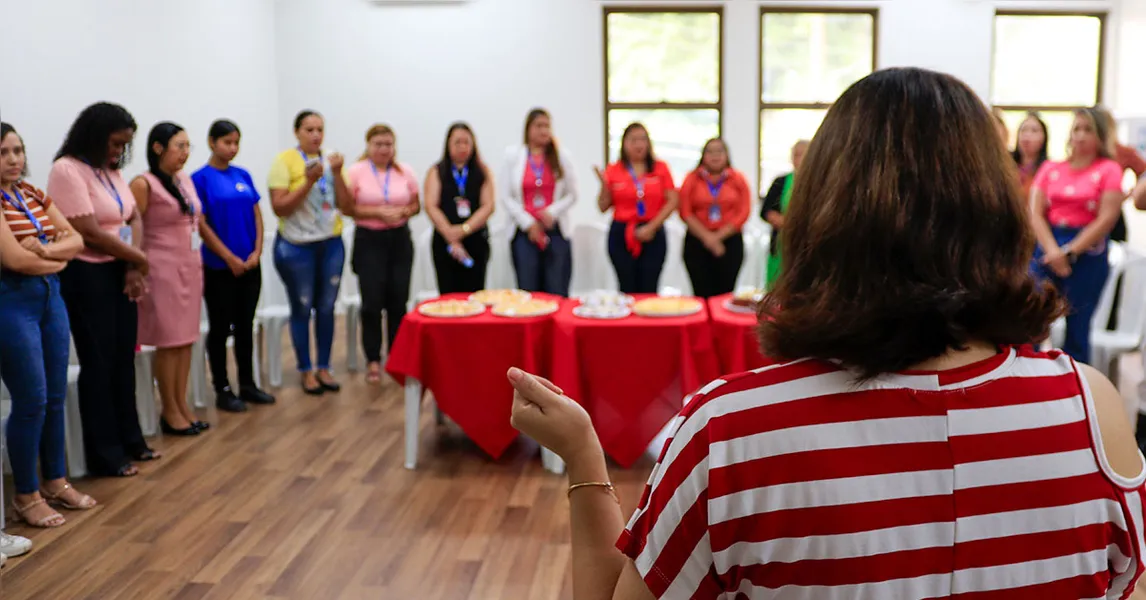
309, 499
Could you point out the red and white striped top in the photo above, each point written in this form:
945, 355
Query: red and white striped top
795, 482
37, 202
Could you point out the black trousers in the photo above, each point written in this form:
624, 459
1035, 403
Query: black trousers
231, 305
453, 276
637, 274
103, 323
383, 260
712, 275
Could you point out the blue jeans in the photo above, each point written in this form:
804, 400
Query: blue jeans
1081, 290
540, 270
311, 273
34, 366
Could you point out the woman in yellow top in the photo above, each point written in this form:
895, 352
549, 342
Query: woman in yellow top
307, 193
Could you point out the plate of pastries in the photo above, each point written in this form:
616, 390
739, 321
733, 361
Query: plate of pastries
745, 300
602, 311
668, 307
530, 307
451, 308
606, 298
496, 297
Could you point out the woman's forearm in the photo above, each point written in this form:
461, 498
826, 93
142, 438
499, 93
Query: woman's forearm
65, 248
595, 522
285, 203
1094, 233
214, 244
604, 198
695, 227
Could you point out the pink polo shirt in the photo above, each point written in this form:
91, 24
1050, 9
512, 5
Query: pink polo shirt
1074, 195
536, 197
79, 190
370, 188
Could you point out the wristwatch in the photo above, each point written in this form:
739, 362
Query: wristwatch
1071, 255
466, 228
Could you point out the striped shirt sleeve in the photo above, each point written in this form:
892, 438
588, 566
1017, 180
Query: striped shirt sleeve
667, 536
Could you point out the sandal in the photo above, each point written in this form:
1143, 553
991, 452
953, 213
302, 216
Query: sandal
127, 470
147, 454
85, 501
374, 373
49, 522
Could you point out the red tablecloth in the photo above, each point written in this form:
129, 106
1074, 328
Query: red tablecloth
631, 374
464, 361
735, 336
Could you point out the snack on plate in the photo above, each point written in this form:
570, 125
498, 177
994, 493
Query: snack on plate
525, 308
589, 311
747, 297
667, 307
606, 298
451, 308
494, 297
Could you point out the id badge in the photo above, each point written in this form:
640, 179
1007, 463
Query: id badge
196, 241
125, 234
463, 208
640, 208
539, 202
714, 213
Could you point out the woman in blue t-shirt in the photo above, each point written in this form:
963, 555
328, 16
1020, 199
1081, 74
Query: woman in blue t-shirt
232, 230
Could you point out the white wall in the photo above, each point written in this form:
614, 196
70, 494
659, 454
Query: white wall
187, 62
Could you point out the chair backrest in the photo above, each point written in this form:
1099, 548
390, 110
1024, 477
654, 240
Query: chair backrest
500, 273
674, 274
591, 267
755, 252
1131, 295
423, 280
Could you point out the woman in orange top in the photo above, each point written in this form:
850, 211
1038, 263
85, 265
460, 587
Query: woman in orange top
714, 203
640, 190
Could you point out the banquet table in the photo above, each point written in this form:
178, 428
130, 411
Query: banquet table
631, 374
463, 361
734, 334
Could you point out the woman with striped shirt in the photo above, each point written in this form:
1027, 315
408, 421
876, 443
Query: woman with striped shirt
36, 243
909, 444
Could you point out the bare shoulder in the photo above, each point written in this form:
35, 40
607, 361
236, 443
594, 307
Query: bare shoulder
140, 185
1118, 441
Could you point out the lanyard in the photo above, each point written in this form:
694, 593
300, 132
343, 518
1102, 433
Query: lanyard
638, 182
714, 188
384, 185
19, 203
538, 172
460, 178
321, 180
109, 186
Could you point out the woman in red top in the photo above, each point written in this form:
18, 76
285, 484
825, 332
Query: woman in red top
640, 190
714, 203
1030, 150
907, 448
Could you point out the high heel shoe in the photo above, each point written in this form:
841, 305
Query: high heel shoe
169, 430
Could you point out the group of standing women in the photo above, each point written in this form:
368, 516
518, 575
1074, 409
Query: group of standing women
110, 266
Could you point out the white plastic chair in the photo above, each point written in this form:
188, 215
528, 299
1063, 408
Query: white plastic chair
674, 274
198, 383
352, 305
269, 324
145, 403
423, 280
1106, 347
591, 267
755, 250
500, 273
73, 431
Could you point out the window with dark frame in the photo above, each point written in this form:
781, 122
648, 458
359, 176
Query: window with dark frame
808, 57
663, 68
1049, 62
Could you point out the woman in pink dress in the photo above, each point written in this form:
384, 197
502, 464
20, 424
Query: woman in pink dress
169, 310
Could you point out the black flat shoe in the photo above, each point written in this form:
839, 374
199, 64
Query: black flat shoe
169, 430
254, 395
201, 425
227, 401
317, 390
333, 386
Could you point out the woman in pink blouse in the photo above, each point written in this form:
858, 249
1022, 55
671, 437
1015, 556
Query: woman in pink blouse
385, 196
1074, 205
102, 285
169, 311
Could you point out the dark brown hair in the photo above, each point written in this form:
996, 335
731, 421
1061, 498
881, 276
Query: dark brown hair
551, 157
650, 158
704, 148
916, 243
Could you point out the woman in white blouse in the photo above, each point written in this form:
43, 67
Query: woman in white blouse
538, 187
